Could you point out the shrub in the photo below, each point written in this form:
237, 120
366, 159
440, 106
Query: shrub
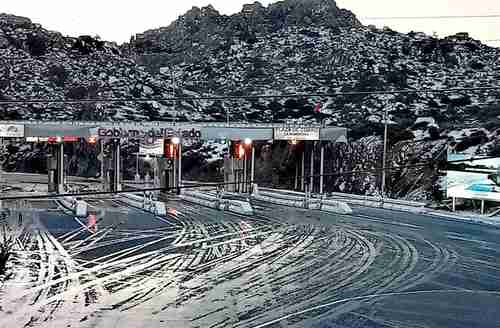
58, 75
77, 93
37, 45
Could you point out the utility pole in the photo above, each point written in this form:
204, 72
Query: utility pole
172, 76
384, 156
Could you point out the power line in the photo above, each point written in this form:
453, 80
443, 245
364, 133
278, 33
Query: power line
251, 97
431, 17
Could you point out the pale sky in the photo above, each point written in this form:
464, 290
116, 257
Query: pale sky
117, 20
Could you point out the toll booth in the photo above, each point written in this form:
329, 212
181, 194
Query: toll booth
55, 167
171, 166
237, 177
168, 178
234, 175
112, 168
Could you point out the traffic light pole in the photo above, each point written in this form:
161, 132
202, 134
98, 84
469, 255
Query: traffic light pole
321, 170
296, 184
179, 181
117, 168
311, 182
60, 167
252, 169
303, 170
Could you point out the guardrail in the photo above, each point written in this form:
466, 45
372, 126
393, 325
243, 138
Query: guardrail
377, 199
372, 201
367, 201
301, 200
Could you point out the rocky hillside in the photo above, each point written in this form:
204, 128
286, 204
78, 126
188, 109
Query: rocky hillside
37, 63
292, 46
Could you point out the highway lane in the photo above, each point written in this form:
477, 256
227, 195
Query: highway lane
199, 267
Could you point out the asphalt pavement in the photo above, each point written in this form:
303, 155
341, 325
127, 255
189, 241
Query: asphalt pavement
282, 267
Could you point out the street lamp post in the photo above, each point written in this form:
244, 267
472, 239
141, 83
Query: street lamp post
248, 143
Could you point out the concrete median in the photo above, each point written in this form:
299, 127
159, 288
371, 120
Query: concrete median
78, 207
145, 203
211, 201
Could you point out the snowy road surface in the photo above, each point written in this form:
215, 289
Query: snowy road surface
282, 267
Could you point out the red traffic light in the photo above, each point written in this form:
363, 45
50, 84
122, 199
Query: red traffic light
169, 149
237, 150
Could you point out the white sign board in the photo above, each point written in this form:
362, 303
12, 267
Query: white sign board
473, 179
154, 148
296, 133
11, 131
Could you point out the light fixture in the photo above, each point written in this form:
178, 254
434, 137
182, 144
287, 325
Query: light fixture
248, 141
176, 140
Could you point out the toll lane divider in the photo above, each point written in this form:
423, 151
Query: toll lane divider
77, 207
300, 200
145, 202
211, 201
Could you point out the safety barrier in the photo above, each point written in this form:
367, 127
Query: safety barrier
211, 201
373, 201
297, 199
368, 201
334, 206
145, 202
78, 207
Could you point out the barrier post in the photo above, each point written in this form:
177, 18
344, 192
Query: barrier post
321, 169
303, 171
311, 182
252, 169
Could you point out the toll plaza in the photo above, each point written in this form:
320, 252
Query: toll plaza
165, 140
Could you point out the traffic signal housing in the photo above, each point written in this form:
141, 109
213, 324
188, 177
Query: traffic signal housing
297, 146
169, 149
237, 150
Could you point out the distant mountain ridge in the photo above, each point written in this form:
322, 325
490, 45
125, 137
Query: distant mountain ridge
198, 24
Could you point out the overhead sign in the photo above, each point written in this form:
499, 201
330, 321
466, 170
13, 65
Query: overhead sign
189, 135
228, 133
154, 148
53, 139
11, 131
296, 133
